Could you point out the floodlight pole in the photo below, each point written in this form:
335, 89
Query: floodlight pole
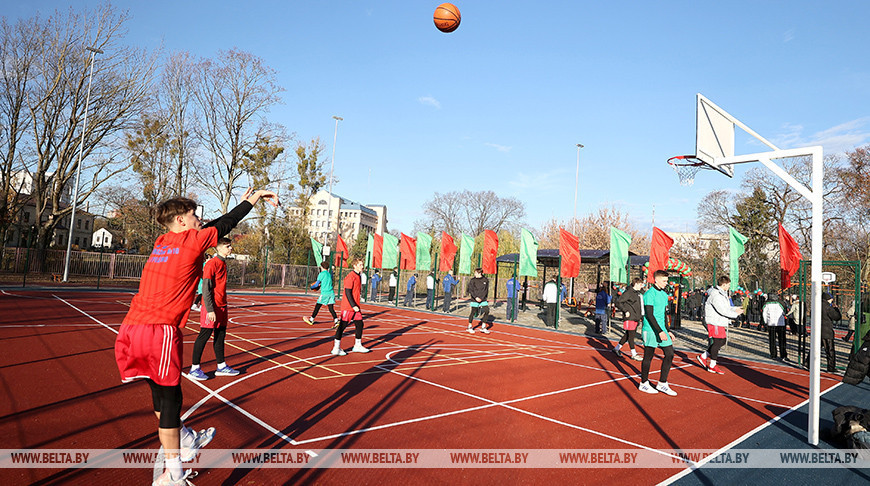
574, 221
331, 169
72, 218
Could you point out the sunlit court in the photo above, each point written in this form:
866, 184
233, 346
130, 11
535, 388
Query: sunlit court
429, 392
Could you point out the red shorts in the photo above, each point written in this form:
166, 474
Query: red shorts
220, 318
149, 351
717, 331
629, 325
350, 315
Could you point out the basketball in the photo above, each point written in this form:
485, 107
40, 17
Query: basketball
447, 17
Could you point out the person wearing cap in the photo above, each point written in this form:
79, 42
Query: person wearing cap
830, 313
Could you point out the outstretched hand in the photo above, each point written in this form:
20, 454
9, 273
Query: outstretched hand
253, 197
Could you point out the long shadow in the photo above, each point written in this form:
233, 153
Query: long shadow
334, 403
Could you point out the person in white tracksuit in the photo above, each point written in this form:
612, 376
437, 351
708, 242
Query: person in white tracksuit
774, 316
718, 313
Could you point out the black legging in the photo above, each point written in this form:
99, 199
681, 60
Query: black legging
167, 400
628, 337
343, 324
484, 314
714, 347
648, 353
777, 333
220, 334
331, 308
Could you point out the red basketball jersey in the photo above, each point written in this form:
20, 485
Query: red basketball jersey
352, 282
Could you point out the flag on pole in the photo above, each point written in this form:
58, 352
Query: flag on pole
619, 243
377, 251
789, 256
736, 248
424, 251
341, 253
317, 249
490, 251
658, 252
528, 254
569, 250
370, 247
448, 252
408, 251
391, 251
466, 248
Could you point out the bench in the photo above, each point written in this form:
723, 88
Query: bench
56, 277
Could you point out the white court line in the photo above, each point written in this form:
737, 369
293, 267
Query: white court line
87, 315
208, 390
740, 439
729, 395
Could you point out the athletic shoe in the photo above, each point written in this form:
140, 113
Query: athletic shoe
166, 480
197, 374
470, 330
647, 388
359, 348
226, 371
200, 440
664, 388
716, 369
335, 322
702, 361
308, 320
637, 357
338, 352
194, 308
484, 330
618, 352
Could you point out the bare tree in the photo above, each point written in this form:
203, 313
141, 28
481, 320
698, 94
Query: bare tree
19, 49
593, 231
56, 101
234, 93
175, 96
471, 212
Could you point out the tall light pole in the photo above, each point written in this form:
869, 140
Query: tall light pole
331, 169
576, 185
72, 217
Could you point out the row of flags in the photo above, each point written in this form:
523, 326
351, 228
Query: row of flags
408, 253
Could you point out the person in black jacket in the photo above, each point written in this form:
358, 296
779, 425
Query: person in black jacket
478, 288
830, 313
859, 364
630, 303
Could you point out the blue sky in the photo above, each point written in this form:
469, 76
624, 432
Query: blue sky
501, 103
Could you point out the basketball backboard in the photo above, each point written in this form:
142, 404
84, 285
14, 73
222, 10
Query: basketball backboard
714, 135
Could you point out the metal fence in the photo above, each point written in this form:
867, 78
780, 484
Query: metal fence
117, 266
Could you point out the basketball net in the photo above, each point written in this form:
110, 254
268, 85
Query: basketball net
686, 166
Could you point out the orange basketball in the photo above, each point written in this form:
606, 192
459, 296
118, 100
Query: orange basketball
447, 17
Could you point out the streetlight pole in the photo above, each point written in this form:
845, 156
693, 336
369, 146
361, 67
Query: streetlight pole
331, 172
576, 185
72, 218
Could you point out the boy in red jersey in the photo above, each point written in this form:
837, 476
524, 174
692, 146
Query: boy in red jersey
213, 315
149, 343
350, 310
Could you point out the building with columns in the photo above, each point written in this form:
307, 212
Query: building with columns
326, 210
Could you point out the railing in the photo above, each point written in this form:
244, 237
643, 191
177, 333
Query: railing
117, 266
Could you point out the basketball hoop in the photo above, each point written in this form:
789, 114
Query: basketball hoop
686, 166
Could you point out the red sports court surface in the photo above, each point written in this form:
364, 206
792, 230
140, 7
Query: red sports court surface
427, 384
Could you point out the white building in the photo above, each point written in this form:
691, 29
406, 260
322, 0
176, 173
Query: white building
102, 238
696, 245
326, 210
20, 229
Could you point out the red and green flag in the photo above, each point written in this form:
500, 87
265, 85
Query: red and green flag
424, 251
466, 248
736, 248
408, 252
341, 253
490, 252
317, 249
658, 252
448, 252
391, 251
528, 254
569, 250
619, 243
789, 257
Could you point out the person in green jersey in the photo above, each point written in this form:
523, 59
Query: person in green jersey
327, 295
656, 335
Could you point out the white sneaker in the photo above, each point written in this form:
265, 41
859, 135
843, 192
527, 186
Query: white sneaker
647, 388
359, 348
470, 330
664, 388
194, 308
338, 352
166, 480
484, 330
200, 440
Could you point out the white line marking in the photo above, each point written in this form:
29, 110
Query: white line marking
87, 315
740, 439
